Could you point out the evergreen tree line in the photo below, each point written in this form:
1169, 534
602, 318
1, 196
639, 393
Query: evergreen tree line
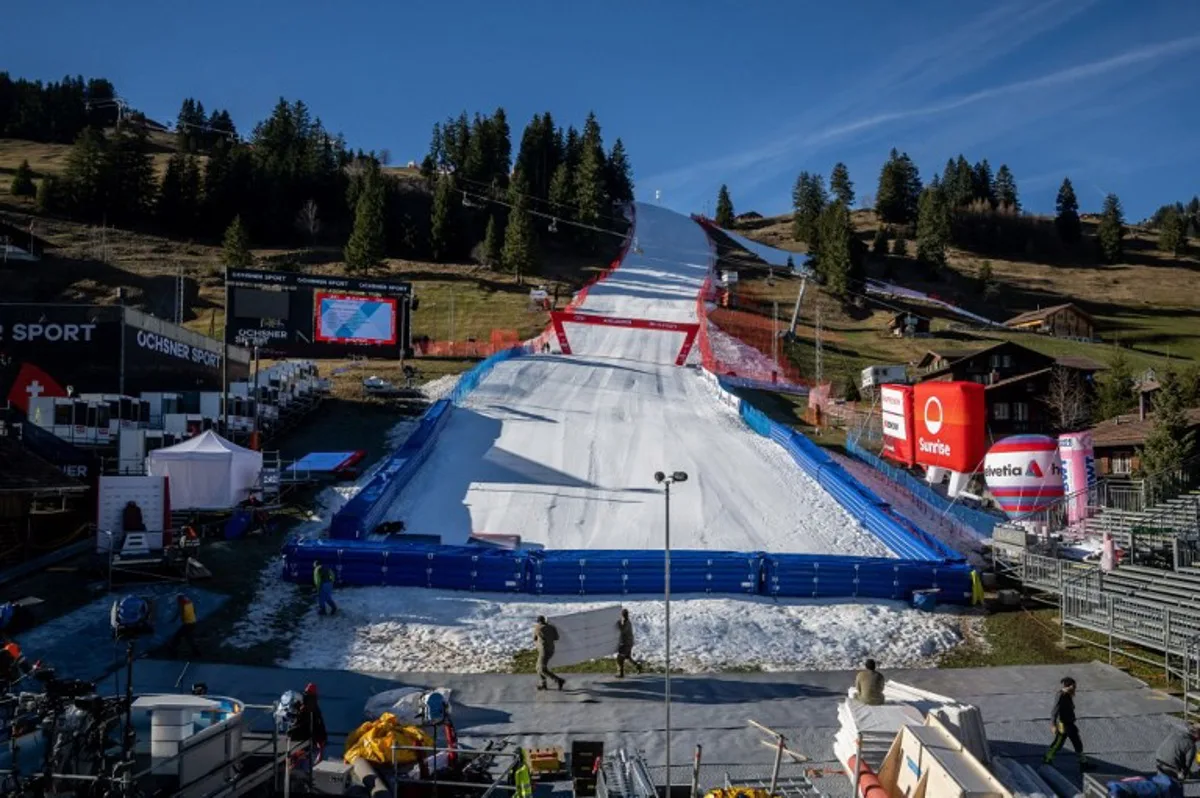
197, 132
55, 112
823, 222
1175, 224
498, 212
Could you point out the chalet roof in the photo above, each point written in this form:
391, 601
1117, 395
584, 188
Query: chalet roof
1018, 378
1131, 430
24, 472
1044, 313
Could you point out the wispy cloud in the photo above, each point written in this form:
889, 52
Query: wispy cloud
991, 34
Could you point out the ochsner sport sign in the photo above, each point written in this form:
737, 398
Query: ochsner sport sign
949, 424
896, 403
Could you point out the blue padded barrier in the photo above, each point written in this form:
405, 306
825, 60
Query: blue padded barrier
390, 562
642, 571
818, 576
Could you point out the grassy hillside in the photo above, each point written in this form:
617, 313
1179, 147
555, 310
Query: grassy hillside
85, 263
1150, 305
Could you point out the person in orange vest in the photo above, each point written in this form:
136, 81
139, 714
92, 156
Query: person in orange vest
185, 612
13, 666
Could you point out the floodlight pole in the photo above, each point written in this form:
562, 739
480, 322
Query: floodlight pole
667, 628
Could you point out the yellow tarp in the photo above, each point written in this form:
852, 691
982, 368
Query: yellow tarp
374, 739
737, 792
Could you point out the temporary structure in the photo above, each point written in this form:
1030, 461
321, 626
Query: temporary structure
206, 472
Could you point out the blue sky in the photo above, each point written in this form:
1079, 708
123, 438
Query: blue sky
702, 92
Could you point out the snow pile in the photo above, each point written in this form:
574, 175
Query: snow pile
387, 629
441, 387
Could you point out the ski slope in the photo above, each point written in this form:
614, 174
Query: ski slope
562, 450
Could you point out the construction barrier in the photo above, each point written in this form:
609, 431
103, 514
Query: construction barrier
566, 572
819, 576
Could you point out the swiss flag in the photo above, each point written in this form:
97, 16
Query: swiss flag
31, 381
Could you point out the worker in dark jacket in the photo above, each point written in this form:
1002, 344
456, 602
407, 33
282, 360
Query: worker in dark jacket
1175, 757
544, 638
310, 724
625, 644
1062, 721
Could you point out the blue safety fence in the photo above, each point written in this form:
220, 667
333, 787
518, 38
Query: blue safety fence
819, 576
564, 572
979, 521
389, 562
362, 513
629, 573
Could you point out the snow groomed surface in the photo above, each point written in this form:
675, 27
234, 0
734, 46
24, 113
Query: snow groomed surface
923, 562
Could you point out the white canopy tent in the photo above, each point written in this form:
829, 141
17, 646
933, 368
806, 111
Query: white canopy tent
206, 472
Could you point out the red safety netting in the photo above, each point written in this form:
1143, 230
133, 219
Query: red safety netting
498, 341
759, 334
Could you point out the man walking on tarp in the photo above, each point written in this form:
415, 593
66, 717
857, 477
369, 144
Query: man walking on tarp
185, 613
1062, 721
323, 581
544, 637
625, 644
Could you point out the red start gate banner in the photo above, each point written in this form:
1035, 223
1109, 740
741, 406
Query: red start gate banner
689, 329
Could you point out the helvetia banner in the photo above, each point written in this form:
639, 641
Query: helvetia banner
1079, 472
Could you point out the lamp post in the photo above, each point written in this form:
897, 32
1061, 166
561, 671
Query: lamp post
667, 481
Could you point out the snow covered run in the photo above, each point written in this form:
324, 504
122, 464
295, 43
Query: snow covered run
389, 629
562, 450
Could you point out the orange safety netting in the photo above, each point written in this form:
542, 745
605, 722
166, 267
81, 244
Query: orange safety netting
498, 341
755, 331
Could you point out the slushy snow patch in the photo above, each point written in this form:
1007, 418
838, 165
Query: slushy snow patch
392, 630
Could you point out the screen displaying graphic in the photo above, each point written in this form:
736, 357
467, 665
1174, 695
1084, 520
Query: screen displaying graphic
354, 319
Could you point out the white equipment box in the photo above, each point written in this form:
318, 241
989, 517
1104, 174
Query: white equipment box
331, 778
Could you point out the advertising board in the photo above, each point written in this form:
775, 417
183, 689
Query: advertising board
160, 361
316, 316
44, 349
896, 404
1023, 474
1079, 472
950, 422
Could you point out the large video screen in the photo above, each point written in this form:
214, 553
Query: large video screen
313, 315
354, 319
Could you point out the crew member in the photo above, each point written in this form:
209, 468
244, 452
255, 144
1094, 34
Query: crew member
1175, 757
625, 644
544, 637
309, 725
185, 613
868, 684
1062, 722
13, 666
323, 581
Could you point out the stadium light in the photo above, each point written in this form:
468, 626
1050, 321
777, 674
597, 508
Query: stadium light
667, 481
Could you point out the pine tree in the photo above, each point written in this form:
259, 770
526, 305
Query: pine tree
129, 181
49, 195
519, 254
22, 182
1115, 392
491, 243
837, 263
167, 211
366, 248
620, 174
983, 185
1170, 441
1172, 232
840, 185
724, 217
899, 191
191, 194
1066, 219
561, 190
501, 154
1110, 233
442, 218
986, 277
84, 176
900, 247
933, 228
808, 201
236, 248
879, 244
1006, 189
